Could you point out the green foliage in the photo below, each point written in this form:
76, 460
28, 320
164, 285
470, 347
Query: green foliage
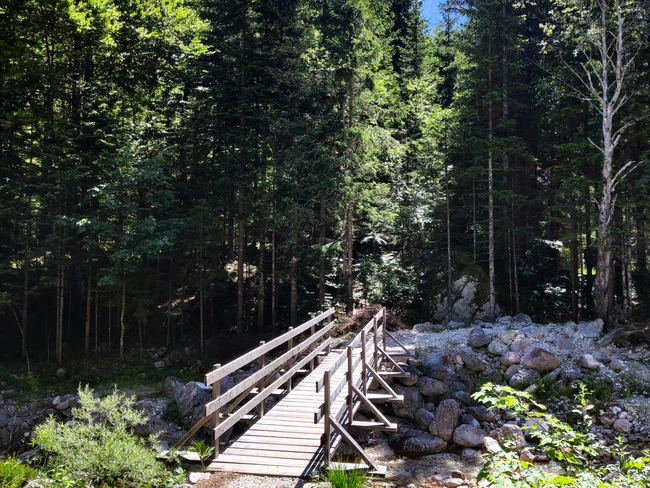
576, 449
338, 477
203, 450
98, 446
14, 474
171, 413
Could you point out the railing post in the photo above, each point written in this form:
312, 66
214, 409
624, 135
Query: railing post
375, 351
260, 384
327, 429
311, 348
384, 334
290, 382
363, 362
350, 392
329, 334
216, 392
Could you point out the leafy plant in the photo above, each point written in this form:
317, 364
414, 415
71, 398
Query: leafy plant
98, 447
14, 474
203, 450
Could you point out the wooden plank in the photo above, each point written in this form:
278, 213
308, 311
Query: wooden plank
282, 434
259, 470
308, 429
391, 427
256, 453
275, 440
269, 447
293, 463
251, 356
227, 424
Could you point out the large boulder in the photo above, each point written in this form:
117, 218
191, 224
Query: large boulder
468, 436
522, 318
540, 360
479, 337
591, 330
423, 419
471, 362
410, 405
497, 348
415, 443
432, 387
463, 299
413, 375
512, 433
447, 417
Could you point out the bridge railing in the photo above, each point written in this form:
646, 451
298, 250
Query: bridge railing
268, 377
362, 358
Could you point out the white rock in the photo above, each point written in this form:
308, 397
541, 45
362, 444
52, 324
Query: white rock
196, 477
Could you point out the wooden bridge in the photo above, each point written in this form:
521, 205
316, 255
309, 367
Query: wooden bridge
302, 431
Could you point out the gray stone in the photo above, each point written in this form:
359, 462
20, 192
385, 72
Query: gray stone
4, 418
432, 387
455, 386
469, 420
447, 416
523, 378
507, 336
532, 428
455, 325
511, 371
433, 428
601, 357
497, 348
462, 397
510, 358
425, 327
505, 320
527, 456
468, 436
471, 362
540, 360
522, 318
159, 364
196, 477
61, 372
563, 343
520, 345
484, 312
491, 445
534, 332
624, 426
433, 358
423, 419
440, 372
481, 413
617, 365
513, 433
478, 337
463, 301
411, 404
468, 453
413, 375
590, 330
587, 361
414, 443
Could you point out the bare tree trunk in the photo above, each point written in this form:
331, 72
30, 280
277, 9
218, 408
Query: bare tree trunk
492, 291
514, 262
122, 323
140, 334
110, 324
61, 308
349, 240
474, 232
89, 295
261, 289
201, 303
274, 283
240, 272
574, 262
450, 289
25, 311
97, 319
169, 304
294, 292
321, 240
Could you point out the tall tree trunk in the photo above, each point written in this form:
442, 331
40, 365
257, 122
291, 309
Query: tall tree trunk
349, 240
240, 271
201, 286
321, 240
261, 289
492, 291
514, 260
274, 283
474, 230
294, 292
574, 262
122, 323
450, 289
169, 303
89, 295
97, 319
26, 264
641, 243
110, 325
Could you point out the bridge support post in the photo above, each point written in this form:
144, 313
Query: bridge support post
327, 429
364, 373
375, 353
216, 391
260, 384
290, 363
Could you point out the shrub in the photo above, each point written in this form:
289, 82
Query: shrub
14, 474
98, 446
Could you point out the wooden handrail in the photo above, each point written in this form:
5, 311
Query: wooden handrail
249, 357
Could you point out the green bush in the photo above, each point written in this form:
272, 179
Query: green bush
14, 474
574, 447
98, 446
338, 477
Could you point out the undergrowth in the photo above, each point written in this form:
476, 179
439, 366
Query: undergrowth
14, 474
337, 476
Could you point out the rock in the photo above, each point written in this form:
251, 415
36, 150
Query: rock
462, 397
413, 375
478, 338
184, 485
454, 325
507, 336
513, 433
607, 419
624, 426
411, 404
425, 327
534, 332
505, 320
497, 348
463, 301
468, 436
523, 378
527, 456
27, 456
540, 360
431, 387
433, 358
510, 358
194, 478
471, 362
468, 453
601, 357
491, 445
522, 318
414, 443
191, 399
61, 372
520, 345
587, 361
511, 371
590, 330
4, 418
532, 428
159, 364
617, 365
455, 386
563, 343
481, 413
423, 419
447, 416
440, 372
467, 419
484, 312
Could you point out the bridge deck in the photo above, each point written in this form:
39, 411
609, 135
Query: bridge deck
285, 441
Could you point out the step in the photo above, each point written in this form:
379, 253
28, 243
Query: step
276, 393
384, 397
369, 424
393, 374
249, 418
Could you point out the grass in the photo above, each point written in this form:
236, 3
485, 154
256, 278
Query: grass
14, 474
336, 477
